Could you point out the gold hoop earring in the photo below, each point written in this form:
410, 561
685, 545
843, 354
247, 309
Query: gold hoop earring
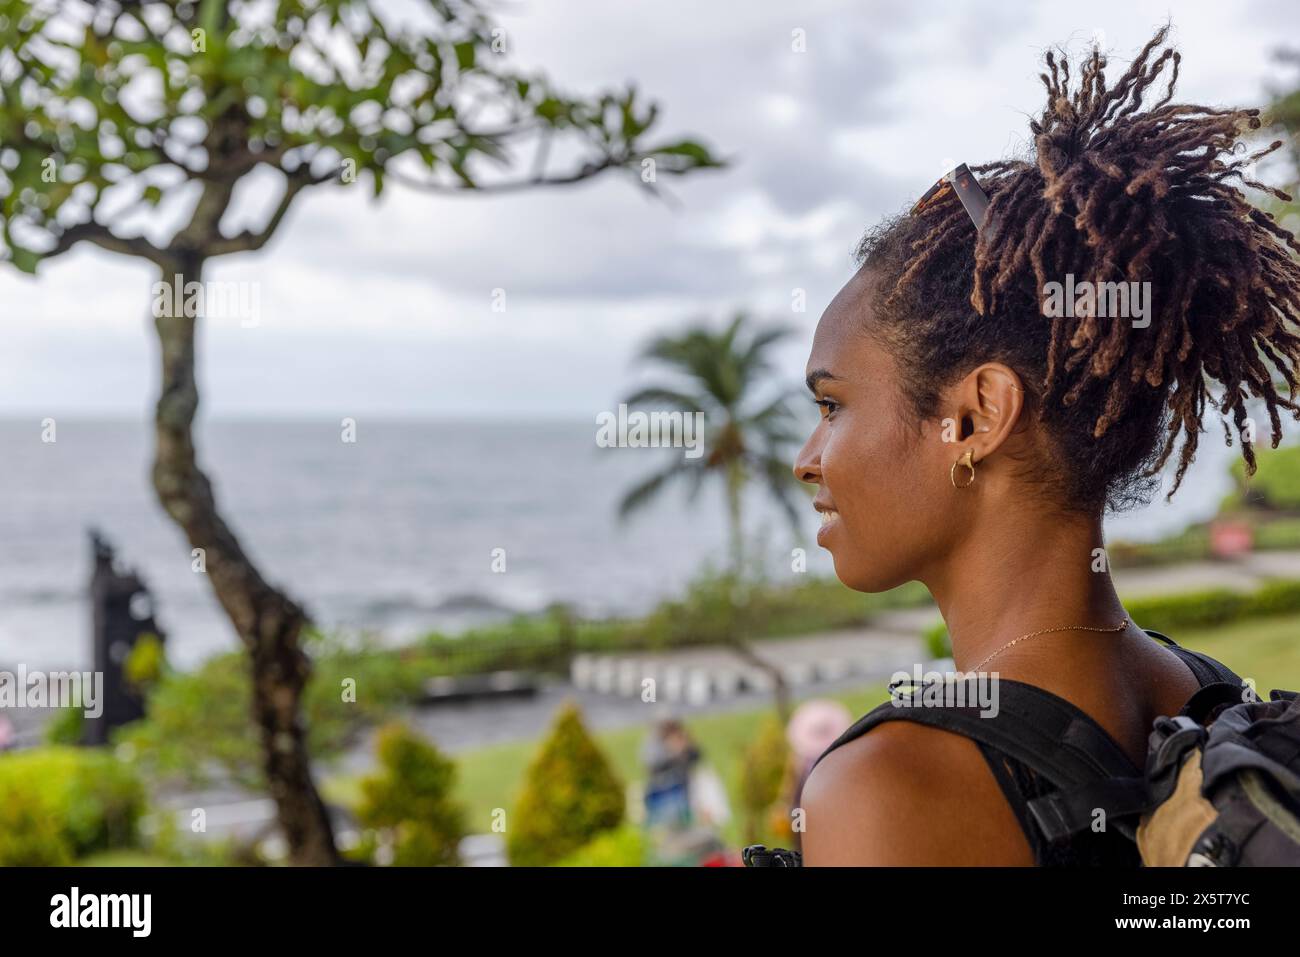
966, 462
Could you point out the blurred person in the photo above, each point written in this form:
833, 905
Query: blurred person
813, 728
685, 801
669, 757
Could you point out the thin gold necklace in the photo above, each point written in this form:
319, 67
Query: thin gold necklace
1034, 634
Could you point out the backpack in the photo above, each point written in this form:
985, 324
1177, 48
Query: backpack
1221, 787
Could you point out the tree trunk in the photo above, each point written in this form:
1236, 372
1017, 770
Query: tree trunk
735, 488
267, 621
739, 642
780, 690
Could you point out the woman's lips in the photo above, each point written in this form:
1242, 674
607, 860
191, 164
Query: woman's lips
829, 520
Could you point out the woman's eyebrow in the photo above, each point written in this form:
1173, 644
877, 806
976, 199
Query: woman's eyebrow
816, 377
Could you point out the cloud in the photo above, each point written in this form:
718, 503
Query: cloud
391, 300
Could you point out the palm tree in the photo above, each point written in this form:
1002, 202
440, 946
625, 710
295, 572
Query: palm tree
746, 438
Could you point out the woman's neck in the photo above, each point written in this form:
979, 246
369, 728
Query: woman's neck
1005, 579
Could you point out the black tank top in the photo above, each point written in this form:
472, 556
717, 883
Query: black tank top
1020, 784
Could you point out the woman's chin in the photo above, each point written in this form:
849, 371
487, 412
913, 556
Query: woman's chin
861, 574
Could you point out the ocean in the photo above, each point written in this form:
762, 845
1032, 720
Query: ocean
393, 534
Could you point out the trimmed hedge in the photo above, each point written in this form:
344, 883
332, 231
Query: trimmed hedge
1214, 606
58, 804
1169, 614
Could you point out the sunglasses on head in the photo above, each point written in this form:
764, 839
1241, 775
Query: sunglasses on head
968, 189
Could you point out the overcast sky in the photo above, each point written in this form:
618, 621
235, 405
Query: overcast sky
385, 308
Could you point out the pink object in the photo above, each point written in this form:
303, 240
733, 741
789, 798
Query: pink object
815, 725
1230, 539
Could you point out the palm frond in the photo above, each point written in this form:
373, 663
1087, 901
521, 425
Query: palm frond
644, 492
755, 359
720, 371
778, 475
664, 396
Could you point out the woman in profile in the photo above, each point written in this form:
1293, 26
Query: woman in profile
975, 426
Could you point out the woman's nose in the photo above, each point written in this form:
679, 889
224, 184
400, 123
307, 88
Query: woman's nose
808, 463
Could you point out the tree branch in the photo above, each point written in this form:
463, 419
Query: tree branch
105, 238
248, 241
584, 172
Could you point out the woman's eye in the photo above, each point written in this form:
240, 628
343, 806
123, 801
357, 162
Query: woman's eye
827, 406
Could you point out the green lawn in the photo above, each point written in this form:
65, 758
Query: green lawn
1264, 649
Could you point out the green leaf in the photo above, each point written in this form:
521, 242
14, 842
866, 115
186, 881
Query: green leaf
550, 109
691, 150
24, 259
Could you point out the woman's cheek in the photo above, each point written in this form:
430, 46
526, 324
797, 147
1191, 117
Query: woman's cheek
831, 465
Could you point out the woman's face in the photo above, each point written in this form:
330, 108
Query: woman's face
885, 496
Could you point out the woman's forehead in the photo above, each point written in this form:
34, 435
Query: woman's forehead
840, 331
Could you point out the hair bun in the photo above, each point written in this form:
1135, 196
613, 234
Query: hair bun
1122, 193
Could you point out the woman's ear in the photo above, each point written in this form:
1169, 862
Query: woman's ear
989, 402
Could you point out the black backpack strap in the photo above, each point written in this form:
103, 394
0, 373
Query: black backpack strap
1045, 732
1207, 670
1064, 744
1124, 797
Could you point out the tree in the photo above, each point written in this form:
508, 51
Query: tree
718, 374
110, 109
570, 795
1283, 115
412, 799
748, 436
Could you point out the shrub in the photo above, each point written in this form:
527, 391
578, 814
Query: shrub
196, 722
763, 772
1196, 609
1205, 608
625, 846
411, 798
570, 795
1276, 482
67, 727
1191, 544
1277, 532
717, 609
938, 643
199, 724
1275, 598
60, 803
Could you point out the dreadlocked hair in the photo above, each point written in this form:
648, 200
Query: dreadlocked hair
1111, 193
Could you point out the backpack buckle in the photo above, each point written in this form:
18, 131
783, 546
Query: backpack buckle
756, 855
1171, 738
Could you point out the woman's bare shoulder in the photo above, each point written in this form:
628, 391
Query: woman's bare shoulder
908, 794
